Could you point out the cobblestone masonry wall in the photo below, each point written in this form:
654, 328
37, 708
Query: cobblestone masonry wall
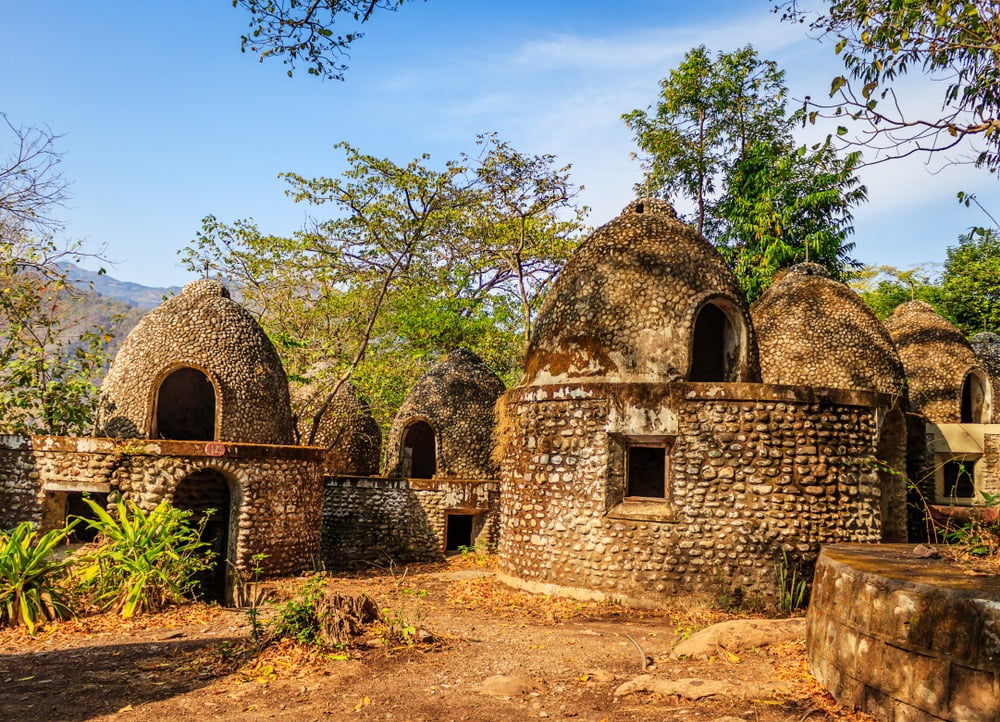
275, 492
754, 470
369, 519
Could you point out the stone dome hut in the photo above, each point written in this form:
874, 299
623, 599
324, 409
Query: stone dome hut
197, 367
347, 430
444, 429
641, 458
987, 348
643, 299
947, 384
813, 331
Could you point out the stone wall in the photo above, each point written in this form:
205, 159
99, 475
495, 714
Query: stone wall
754, 470
904, 638
275, 492
372, 520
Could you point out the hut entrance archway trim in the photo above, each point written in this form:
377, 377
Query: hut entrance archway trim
718, 345
977, 397
210, 490
418, 449
186, 405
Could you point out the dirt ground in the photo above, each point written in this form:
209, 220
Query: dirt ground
449, 628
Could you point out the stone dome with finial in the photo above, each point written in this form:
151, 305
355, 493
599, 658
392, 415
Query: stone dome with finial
643, 299
197, 367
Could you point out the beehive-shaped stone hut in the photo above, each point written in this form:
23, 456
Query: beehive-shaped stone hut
640, 457
345, 428
644, 299
946, 382
814, 331
444, 429
197, 367
987, 348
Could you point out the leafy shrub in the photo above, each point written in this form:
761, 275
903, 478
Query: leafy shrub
30, 592
143, 561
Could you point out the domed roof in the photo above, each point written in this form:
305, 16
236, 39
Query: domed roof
814, 331
346, 429
987, 349
456, 398
936, 358
624, 307
201, 330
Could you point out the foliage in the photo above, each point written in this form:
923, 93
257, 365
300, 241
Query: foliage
720, 137
144, 561
48, 360
952, 42
302, 31
970, 284
980, 535
415, 262
30, 592
885, 287
793, 588
298, 617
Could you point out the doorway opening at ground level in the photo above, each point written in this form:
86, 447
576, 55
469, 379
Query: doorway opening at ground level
207, 492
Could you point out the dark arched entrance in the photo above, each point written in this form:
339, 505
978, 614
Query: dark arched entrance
185, 406
714, 346
419, 446
975, 399
203, 491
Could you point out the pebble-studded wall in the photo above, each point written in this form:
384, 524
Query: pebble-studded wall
204, 330
752, 472
276, 493
372, 520
456, 400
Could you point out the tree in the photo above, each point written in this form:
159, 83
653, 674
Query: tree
970, 284
48, 365
721, 137
885, 287
414, 262
953, 42
302, 31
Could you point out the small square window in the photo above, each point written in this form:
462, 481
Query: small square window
959, 479
646, 468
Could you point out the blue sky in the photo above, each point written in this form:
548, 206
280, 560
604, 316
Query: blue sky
164, 120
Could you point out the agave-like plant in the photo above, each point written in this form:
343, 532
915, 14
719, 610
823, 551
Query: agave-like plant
143, 560
30, 592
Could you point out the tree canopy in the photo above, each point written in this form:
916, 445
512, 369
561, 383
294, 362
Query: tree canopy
413, 261
720, 137
308, 31
952, 42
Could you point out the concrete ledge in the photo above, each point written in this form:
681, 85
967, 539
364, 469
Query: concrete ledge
905, 638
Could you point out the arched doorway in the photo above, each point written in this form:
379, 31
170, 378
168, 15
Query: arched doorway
185, 406
198, 493
420, 449
975, 398
715, 346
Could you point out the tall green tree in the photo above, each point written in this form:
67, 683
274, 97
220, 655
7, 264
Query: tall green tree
720, 138
885, 287
953, 43
970, 284
412, 262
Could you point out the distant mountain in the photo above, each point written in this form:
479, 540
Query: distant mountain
134, 294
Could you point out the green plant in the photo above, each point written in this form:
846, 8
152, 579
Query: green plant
793, 589
30, 592
143, 561
249, 597
299, 617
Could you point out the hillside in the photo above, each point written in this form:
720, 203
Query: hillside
133, 294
